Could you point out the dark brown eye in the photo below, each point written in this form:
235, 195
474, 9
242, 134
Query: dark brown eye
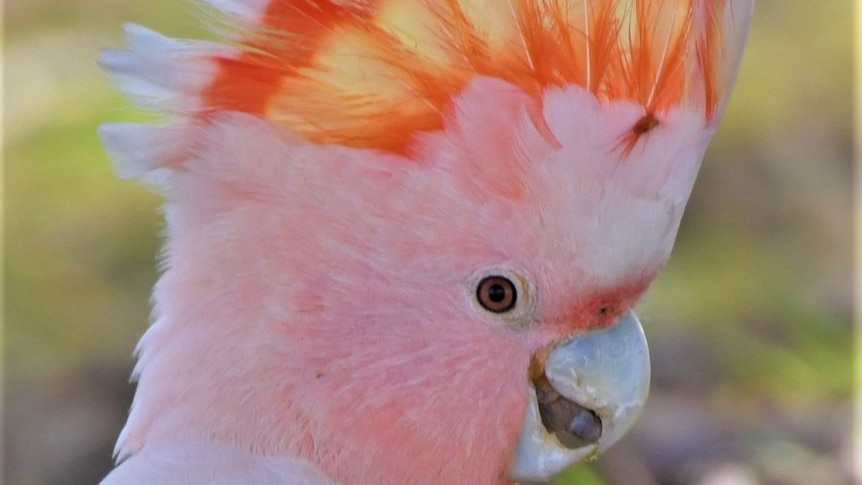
497, 294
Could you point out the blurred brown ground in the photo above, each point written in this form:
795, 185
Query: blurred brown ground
750, 325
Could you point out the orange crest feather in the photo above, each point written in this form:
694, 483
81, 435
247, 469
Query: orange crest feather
371, 73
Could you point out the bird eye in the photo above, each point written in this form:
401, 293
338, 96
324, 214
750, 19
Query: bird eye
497, 294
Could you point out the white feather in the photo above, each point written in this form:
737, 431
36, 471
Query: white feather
247, 10
161, 73
139, 149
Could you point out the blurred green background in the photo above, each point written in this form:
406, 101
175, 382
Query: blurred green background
750, 325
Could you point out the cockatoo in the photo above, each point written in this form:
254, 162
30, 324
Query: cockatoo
405, 237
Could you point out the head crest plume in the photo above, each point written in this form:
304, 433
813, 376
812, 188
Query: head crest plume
370, 73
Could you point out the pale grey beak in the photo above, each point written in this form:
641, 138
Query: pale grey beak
606, 372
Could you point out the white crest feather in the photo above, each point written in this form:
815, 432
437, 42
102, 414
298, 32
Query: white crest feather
161, 73
247, 10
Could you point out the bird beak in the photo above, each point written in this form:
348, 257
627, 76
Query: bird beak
593, 389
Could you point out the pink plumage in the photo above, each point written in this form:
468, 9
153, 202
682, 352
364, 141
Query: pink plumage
340, 180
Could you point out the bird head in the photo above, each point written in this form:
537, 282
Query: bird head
405, 238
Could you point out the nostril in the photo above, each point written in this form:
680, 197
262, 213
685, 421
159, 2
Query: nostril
574, 425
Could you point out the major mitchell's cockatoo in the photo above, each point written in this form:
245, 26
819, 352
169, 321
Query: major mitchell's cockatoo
404, 237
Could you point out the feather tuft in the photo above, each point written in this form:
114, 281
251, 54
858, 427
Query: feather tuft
161, 73
247, 10
139, 149
372, 73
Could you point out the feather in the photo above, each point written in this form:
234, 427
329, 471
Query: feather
249, 11
191, 463
371, 74
139, 149
163, 74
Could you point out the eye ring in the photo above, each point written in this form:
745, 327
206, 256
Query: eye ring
497, 294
